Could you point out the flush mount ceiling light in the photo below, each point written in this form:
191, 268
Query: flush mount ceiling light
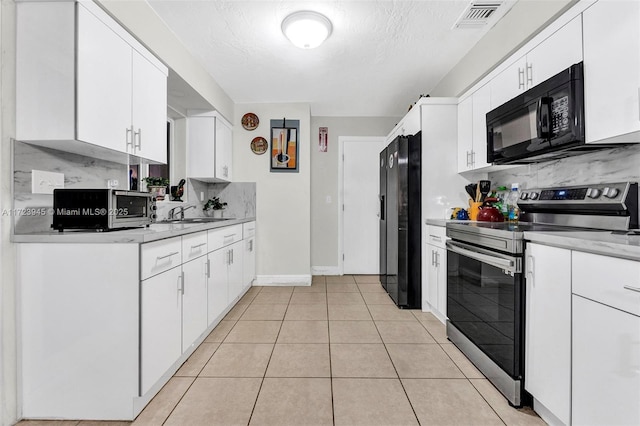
306, 29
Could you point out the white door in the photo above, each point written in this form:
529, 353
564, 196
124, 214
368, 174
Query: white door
361, 206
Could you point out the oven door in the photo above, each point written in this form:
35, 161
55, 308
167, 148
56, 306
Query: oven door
129, 208
485, 302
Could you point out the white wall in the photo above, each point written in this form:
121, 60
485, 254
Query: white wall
283, 200
8, 359
324, 181
145, 24
518, 26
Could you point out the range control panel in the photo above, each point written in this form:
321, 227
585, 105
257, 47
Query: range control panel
586, 195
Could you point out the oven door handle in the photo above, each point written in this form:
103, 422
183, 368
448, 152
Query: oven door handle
506, 264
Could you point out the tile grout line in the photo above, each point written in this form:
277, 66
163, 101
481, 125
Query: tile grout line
333, 411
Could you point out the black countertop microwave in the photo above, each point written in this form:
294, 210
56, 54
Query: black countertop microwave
545, 122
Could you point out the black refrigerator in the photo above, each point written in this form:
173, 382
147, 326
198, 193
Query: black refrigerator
400, 220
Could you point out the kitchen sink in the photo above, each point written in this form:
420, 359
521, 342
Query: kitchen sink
196, 220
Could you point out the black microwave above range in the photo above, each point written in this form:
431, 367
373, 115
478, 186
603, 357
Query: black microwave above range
102, 209
543, 123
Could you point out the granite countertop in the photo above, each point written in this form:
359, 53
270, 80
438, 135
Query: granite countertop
154, 232
598, 242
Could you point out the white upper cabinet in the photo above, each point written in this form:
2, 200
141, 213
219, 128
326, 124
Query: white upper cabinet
409, 125
612, 71
209, 148
472, 130
557, 52
85, 85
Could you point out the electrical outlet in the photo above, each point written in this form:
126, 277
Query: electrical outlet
112, 183
201, 196
45, 182
328, 200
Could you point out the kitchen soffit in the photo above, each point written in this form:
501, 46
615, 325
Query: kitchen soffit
380, 57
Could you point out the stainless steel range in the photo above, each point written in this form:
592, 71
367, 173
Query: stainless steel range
485, 278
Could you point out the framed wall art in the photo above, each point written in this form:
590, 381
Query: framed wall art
284, 145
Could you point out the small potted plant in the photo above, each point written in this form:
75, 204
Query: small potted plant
157, 186
214, 207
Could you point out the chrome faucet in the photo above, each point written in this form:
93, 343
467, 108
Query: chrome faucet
180, 210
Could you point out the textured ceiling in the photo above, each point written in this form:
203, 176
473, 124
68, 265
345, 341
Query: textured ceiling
380, 57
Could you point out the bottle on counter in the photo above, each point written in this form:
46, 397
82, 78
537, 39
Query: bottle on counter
513, 212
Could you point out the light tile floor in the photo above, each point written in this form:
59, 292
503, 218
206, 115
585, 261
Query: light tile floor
336, 353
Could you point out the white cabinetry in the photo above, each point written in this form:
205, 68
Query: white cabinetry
209, 147
612, 71
557, 52
472, 130
434, 288
548, 330
85, 85
224, 278
249, 256
194, 289
409, 125
606, 340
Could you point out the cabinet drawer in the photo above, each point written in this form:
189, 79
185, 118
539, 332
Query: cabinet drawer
194, 245
218, 238
436, 235
604, 278
160, 256
248, 229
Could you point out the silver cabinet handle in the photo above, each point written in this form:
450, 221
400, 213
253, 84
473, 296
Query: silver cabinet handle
139, 135
198, 246
231, 256
228, 257
168, 255
530, 267
530, 75
128, 137
437, 259
473, 158
181, 282
520, 78
208, 268
636, 289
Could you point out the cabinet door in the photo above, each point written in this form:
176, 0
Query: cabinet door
509, 83
249, 261
465, 134
103, 84
224, 150
612, 71
548, 328
194, 300
217, 290
432, 277
481, 106
558, 52
606, 365
161, 325
149, 110
201, 147
441, 264
236, 284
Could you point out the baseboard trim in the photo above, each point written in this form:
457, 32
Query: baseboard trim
325, 270
283, 280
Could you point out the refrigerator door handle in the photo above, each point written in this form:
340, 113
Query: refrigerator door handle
381, 207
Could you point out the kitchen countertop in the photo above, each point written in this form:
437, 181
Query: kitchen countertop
598, 242
154, 232
437, 222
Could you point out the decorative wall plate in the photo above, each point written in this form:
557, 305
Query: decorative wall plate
259, 145
250, 121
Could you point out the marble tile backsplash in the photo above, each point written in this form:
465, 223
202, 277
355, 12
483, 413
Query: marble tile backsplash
86, 172
619, 164
79, 172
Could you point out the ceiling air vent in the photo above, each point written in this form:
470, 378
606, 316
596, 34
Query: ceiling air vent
477, 14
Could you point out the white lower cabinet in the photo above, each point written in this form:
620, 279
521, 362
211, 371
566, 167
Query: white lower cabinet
606, 340
217, 288
249, 256
235, 271
161, 325
435, 288
194, 301
548, 330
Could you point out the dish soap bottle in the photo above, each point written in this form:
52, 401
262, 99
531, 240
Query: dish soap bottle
513, 212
